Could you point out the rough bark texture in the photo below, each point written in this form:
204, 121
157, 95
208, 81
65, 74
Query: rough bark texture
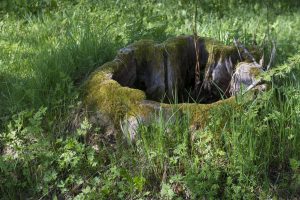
146, 76
166, 72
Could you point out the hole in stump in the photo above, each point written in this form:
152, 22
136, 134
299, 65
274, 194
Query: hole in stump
166, 72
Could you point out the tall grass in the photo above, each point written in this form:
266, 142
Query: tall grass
45, 60
46, 56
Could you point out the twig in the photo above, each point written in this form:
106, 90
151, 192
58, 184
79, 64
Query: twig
197, 67
238, 44
235, 43
272, 56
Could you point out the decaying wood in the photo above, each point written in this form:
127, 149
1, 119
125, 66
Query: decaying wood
248, 75
272, 58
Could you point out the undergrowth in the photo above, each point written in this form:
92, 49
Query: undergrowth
47, 51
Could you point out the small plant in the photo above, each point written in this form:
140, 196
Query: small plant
48, 48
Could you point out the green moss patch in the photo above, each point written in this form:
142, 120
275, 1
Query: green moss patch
146, 70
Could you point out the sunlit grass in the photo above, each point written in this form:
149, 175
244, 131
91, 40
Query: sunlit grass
44, 60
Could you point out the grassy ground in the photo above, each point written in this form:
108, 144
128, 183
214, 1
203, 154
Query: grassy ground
47, 51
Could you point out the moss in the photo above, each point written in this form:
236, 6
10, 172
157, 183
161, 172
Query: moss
107, 68
147, 51
216, 52
176, 42
144, 50
201, 113
177, 47
218, 49
221, 51
109, 96
255, 71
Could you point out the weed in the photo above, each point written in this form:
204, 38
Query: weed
48, 49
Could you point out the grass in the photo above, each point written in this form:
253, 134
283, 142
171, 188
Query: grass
46, 55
